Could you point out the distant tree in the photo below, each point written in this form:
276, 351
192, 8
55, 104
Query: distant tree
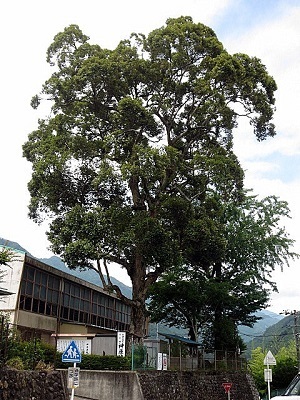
211, 299
282, 373
6, 255
138, 138
256, 365
286, 366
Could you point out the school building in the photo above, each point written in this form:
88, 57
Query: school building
47, 303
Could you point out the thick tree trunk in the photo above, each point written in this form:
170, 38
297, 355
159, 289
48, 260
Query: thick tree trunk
139, 294
138, 322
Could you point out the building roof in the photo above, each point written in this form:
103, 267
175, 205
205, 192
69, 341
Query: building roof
181, 339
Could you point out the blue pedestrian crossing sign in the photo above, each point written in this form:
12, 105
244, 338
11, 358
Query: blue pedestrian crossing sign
71, 354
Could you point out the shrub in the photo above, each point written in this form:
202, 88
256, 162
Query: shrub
16, 363
96, 362
32, 352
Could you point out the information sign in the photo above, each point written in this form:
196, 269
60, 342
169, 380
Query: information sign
71, 354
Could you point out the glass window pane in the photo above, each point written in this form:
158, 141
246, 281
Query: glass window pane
43, 293
30, 274
38, 276
29, 288
44, 280
36, 291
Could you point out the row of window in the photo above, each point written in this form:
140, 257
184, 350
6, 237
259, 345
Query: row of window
47, 294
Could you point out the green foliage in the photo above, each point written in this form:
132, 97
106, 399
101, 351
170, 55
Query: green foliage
139, 355
282, 373
96, 362
139, 137
6, 255
226, 279
256, 365
15, 363
31, 352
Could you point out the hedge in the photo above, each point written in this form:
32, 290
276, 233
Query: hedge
96, 362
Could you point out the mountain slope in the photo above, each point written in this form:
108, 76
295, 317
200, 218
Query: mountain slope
86, 275
267, 319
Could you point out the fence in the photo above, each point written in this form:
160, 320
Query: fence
211, 360
146, 357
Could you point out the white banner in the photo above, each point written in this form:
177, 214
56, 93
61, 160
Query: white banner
121, 344
159, 361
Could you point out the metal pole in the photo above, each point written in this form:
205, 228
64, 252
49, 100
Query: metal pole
297, 338
269, 388
132, 354
73, 390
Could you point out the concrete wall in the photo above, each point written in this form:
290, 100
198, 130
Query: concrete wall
37, 321
111, 385
164, 385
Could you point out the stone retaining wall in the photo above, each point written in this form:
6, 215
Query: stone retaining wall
32, 385
126, 385
167, 385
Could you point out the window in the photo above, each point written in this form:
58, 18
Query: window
40, 293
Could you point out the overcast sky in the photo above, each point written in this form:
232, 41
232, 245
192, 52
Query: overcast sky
268, 29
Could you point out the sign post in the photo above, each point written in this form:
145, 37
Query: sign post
73, 355
269, 360
227, 387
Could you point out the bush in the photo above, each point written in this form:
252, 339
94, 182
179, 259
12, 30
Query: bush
96, 362
32, 352
16, 363
284, 372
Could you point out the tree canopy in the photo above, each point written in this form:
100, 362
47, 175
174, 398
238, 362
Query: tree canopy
137, 151
212, 300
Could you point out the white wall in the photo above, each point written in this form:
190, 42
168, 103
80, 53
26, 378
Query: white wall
11, 282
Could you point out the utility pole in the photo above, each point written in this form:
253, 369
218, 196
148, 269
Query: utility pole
295, 313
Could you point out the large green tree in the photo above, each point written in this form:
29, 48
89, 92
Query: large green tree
212, 299
138, 138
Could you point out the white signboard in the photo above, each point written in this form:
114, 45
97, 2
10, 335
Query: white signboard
269, 359
121, 343
159, 361
268, 374
162, 361
85, 346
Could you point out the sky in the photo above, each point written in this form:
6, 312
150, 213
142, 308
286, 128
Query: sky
267, 29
